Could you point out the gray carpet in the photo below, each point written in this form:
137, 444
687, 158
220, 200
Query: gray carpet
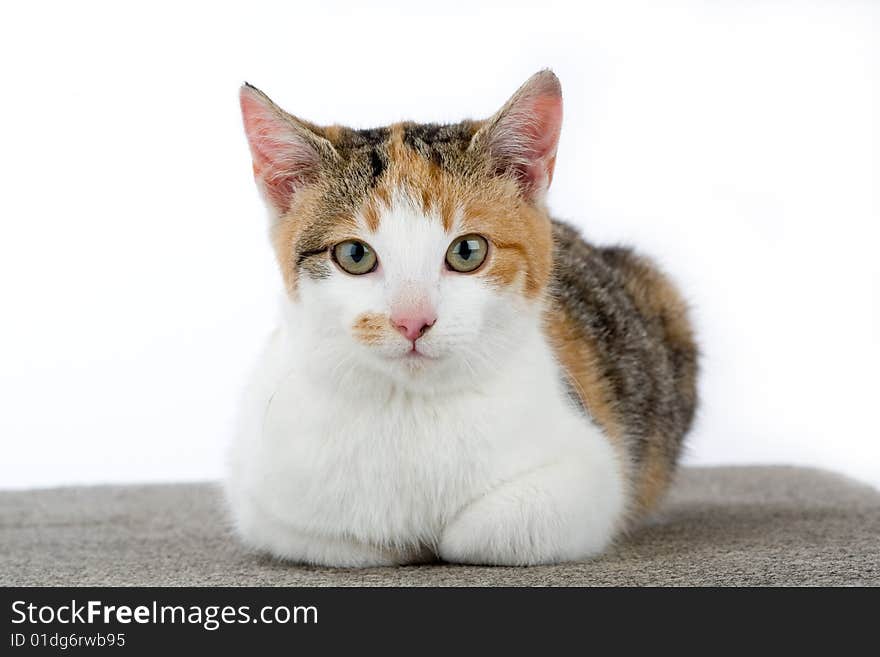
720, 526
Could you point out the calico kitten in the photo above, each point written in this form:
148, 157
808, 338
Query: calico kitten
456, 375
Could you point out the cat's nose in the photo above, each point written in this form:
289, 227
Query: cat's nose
412, 327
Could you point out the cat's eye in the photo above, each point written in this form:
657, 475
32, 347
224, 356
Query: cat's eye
467, 253
355, 257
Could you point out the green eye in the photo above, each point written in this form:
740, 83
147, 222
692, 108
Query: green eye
355, 257
467, 253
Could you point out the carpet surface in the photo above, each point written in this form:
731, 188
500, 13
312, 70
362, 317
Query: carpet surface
719, 526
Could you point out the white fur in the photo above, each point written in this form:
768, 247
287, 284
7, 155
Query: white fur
356, 455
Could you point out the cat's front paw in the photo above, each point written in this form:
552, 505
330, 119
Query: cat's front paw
551, 515
477, 537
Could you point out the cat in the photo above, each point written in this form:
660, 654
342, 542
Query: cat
456, 376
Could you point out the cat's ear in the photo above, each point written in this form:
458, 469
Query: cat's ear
521, 138
287, 152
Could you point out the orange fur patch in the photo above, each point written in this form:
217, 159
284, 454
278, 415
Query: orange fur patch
580, 360
436, 190
653, 479
370, 213
520, 233
371, 328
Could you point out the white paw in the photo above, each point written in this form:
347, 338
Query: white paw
478, 537
550, 515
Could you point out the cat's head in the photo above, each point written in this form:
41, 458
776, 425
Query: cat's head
418, 250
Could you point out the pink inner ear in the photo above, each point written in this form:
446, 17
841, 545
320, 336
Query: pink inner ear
282, 158
541, 136
525, 138
544, 130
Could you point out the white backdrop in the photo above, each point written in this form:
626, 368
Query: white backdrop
736, 142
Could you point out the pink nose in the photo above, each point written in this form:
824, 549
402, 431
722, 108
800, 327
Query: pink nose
415, 326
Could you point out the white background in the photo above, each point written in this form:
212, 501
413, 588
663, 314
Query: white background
734, 141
